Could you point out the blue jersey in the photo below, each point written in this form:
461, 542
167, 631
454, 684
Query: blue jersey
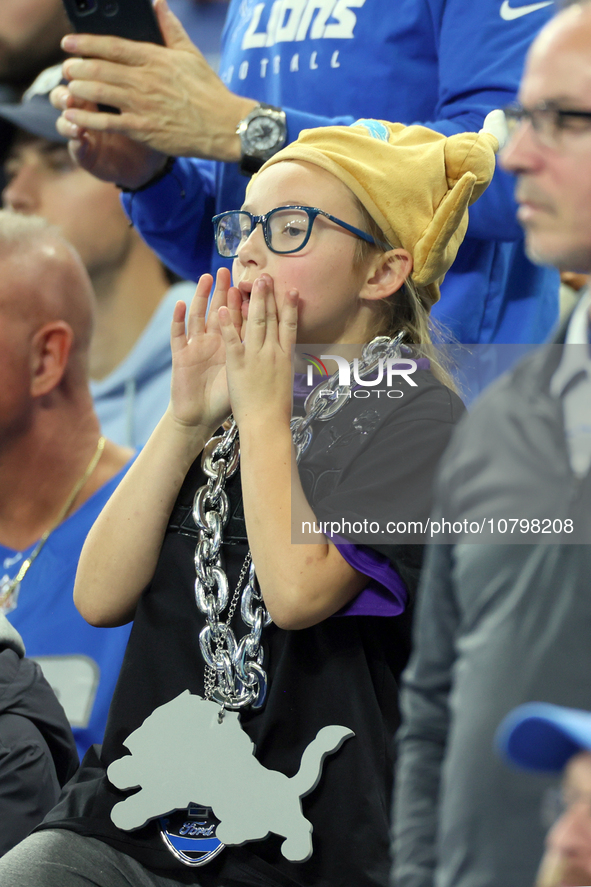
444, 63
79, 661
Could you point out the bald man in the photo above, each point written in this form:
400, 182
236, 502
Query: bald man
56, 470
130, 360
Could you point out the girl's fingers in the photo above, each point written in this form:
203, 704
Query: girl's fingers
255, 324
288, 321
223, 282
271, 318
235, 307
178, 338
259, 312
198, 309
229, 332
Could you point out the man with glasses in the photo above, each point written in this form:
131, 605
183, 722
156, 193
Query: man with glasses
500, 622
551, 739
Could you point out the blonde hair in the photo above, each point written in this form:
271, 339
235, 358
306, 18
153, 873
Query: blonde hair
406, 309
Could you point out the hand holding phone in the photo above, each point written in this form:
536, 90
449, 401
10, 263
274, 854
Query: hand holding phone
169, 97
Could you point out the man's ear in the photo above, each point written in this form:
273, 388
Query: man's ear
386, 274
50, 350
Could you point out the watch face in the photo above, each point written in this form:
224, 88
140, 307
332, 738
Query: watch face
264, 134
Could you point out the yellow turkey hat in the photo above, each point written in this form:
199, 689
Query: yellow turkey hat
415, 183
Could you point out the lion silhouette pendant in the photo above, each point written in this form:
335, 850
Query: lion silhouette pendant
183, 758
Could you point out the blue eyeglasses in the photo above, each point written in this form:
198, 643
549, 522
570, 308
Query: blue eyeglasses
286, 229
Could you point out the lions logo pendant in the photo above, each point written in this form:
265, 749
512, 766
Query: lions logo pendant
190, 835
213, 761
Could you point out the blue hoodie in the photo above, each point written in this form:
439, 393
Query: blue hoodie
130, 401
445, 63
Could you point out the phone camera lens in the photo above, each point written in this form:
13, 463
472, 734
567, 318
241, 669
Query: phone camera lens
110, 8
86, 6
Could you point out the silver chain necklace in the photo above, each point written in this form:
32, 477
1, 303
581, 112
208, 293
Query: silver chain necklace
234, 673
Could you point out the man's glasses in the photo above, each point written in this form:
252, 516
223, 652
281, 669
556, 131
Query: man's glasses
549, 122
286, 229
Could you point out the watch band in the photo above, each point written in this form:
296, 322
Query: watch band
170, 161
249, 165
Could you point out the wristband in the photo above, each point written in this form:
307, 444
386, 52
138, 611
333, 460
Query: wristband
170, 161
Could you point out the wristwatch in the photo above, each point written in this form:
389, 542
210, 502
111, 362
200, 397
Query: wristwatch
262, 133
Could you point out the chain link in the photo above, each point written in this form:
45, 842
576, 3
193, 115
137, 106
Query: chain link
234, 675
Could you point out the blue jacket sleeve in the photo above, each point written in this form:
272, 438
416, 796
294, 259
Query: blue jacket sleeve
475, 55
480, 62
174, 216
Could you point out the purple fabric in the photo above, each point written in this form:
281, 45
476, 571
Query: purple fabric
300, 388
385, 594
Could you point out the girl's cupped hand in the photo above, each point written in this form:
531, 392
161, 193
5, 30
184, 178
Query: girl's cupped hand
199, 390
259, 367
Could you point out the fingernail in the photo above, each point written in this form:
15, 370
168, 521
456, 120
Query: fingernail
260, 283
72, 129
69, 43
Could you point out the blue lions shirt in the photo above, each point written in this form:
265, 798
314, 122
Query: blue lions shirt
79, 661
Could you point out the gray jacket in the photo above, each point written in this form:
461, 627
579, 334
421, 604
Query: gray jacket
497, 625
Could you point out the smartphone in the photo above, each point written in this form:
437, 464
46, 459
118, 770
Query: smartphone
132, 19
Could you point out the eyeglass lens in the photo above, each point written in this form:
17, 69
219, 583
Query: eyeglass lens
232, 230
546, 122
549, 123
286, 230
